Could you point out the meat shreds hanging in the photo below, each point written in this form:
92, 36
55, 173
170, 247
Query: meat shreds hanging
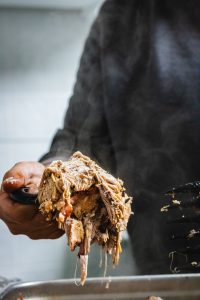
88, 203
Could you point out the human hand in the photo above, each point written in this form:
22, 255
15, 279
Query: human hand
25, 219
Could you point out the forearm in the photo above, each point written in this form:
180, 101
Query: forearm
85, 125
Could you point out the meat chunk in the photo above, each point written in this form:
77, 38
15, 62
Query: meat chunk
88, 203
75, 232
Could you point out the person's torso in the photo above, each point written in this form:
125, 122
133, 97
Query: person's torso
151, 70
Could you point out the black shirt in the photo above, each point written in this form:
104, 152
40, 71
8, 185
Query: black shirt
135, 109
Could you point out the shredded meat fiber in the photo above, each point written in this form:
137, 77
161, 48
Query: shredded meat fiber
88, 203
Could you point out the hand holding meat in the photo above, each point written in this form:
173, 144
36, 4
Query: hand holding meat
88, 203
25, 219
77, 197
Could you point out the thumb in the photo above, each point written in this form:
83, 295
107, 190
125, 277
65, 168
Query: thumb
12, 183
23, 174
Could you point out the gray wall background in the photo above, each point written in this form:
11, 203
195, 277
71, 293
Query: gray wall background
39, 55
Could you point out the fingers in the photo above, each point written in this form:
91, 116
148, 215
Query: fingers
23, 174
47, 231
12, 183
51, 232
15, 212
27, 220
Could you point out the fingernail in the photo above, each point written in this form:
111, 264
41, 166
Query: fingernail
10, 180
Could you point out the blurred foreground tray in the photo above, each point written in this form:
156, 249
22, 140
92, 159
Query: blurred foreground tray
168, 287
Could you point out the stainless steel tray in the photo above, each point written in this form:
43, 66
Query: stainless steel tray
169, 287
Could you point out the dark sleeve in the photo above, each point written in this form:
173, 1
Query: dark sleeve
85, 126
